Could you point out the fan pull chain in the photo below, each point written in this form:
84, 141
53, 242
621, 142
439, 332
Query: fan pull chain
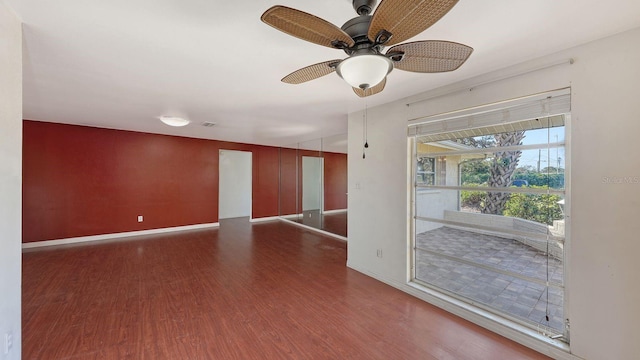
364, 129
364, 135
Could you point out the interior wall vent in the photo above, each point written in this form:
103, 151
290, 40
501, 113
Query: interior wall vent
208, 124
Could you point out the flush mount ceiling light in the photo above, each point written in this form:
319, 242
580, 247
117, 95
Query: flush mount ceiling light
174, 120
364, 71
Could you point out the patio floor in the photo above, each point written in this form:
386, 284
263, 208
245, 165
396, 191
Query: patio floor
523, 299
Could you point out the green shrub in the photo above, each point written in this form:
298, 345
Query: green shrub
474, 172
542, 208
473, 199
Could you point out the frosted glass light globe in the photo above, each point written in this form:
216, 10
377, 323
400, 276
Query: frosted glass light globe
364, 71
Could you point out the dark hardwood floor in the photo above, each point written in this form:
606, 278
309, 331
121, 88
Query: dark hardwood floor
243, 291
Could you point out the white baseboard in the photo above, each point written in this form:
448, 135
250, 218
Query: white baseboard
262, 219
81, 239
312, 229
513, 331
337, 211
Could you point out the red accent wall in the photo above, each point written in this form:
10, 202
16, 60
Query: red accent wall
80, 181
335, 181
289, 181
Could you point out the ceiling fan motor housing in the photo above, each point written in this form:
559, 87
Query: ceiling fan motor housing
357, 28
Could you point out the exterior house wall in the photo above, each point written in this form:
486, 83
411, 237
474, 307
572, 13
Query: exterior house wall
434, 203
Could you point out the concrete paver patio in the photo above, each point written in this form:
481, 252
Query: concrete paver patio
524, 299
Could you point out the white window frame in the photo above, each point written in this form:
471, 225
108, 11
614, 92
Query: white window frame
441, 120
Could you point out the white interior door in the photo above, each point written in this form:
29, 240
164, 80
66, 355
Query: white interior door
234, 195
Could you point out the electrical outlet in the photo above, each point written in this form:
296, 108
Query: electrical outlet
139, 218
8, 342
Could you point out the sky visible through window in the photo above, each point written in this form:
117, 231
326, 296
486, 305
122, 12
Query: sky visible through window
547, 157
554, 157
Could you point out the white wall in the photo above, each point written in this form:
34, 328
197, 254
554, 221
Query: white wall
235, 181
603, 291
10, 179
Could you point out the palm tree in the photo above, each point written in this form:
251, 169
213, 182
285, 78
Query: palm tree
501, 170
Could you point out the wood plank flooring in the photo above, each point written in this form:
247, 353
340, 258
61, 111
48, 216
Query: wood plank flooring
243, 291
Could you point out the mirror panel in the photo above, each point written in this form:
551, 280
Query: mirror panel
313, 183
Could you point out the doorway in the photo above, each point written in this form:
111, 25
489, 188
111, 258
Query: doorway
234, 184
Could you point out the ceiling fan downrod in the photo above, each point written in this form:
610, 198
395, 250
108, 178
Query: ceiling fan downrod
363, 7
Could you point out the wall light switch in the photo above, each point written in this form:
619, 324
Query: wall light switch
139, 218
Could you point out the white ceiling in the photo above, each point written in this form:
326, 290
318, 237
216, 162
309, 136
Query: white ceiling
122, 63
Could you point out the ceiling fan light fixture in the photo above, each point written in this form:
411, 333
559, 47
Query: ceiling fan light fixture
364, 71
174, 120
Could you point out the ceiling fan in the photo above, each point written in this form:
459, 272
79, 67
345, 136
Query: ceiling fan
364, 37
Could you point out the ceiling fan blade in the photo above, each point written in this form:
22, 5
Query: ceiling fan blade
311, 72
371, 91
430, 56
306, 27
405, 19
